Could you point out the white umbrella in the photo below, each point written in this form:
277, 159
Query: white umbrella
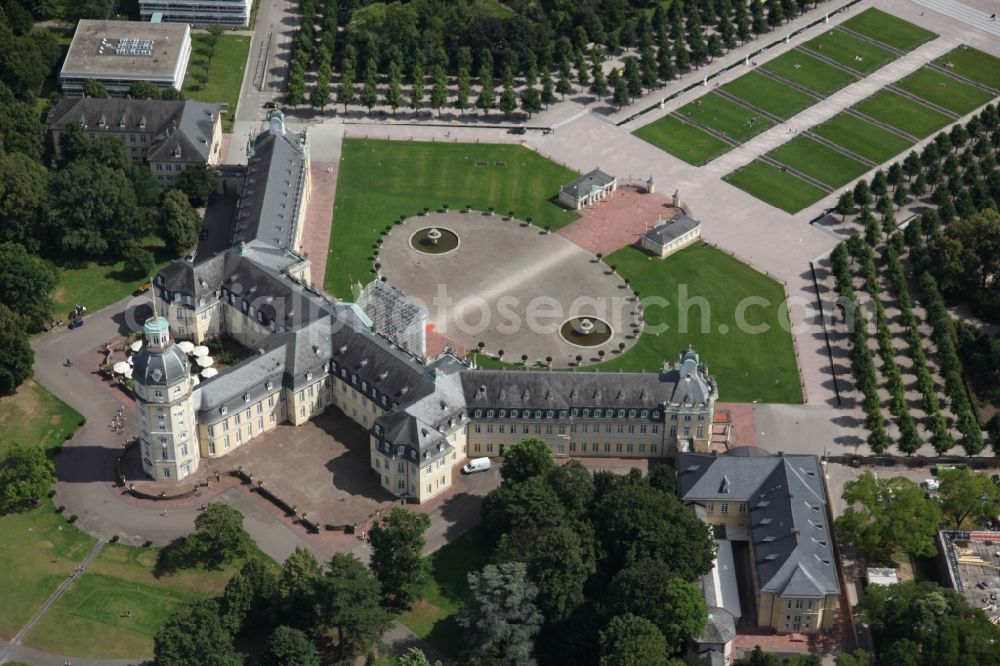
128, 372
186, 346
120, 367
200, 350
208, 373
131, 360
195, 380
136, 346
205, 362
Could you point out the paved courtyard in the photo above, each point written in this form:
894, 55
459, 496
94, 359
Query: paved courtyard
503, 275
618, 221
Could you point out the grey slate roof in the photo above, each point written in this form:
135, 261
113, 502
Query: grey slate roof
272, 190
792, 549
160, 368
671, 229
183, 126
511, 389
586, 183
720, 628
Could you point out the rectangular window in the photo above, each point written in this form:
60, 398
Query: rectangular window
618, 447
631, 430
478, 428
607, 447
184, 450
211, 448
798, 605
211, 431
652, 448
401, 485
724, 508
400, 467
237, 417
710, 507
607, 427
548, 430
743, 507
538, 430
166, 473
656, 429
489, 448
478, 448
642, 448
572, 447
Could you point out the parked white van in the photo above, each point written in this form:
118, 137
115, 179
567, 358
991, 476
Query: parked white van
476, 465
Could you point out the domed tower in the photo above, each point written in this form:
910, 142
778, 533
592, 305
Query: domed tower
168, 433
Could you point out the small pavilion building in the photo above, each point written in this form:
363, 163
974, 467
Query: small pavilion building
668, 236
587, 190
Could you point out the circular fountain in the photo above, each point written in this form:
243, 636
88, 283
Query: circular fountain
586, 331
434, 240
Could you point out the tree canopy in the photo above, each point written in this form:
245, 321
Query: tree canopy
194, 634
927, 625
16, 355
886, 515
500, 616
529, 457
26, 475
396, 543
219, 535
289, 647
26, 283
630, 640
965, 494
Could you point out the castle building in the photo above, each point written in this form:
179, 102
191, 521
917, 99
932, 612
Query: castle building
163, 393
425, 416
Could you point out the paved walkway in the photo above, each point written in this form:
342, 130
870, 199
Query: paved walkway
319, 218
964, 13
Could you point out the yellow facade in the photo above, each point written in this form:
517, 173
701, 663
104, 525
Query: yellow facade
798, 615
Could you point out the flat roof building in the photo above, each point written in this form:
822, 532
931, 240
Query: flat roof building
230, 13
120, 53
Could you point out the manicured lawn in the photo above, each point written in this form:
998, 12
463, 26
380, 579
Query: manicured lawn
225, 73
33, 416
381, 180
433, 617
39, 549
841, 47
903, 113
734, 120
96, 285
944, 90
687, 142
748, 365
889, 29
771, 185
973, 64
89, 620
821, 162
769, 95
799, 67
861, 137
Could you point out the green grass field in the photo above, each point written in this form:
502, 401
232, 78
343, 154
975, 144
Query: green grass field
89, 620
734, 120
819, 161
99, 284
903, 113
889, 29
973, 64
689, 143
861, 137
39, 550
771, 185
748, 365
433, 616
811, 72
769, 95
381, 180
224, 73
33, 416
841, 47
944, 91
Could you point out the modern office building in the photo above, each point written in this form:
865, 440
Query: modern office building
120, 53
229, 13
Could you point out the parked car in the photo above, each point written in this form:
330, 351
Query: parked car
516, 130
933, 485
476, 465
191, 256
76, 323
142, 288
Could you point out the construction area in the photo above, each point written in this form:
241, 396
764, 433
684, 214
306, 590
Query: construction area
972, 560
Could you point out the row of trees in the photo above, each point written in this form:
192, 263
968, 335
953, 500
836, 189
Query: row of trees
600, 567
862, 363
524, 50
